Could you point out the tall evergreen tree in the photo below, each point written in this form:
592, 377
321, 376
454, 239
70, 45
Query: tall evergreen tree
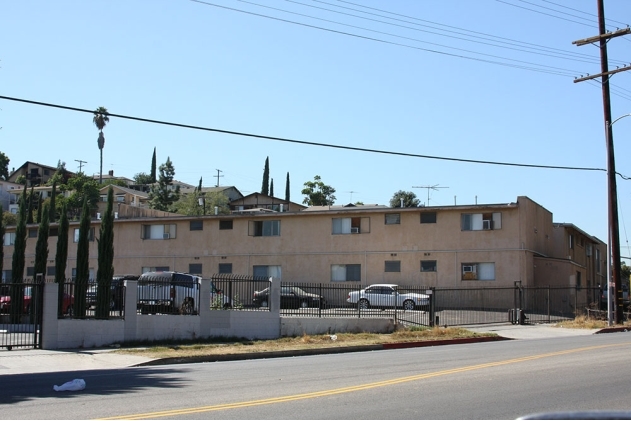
105, 272
17, 266
2, 231
83, 262
29, 210
61, 255
265, 185
287, 188
163, 196
199, 188
53, 212
39, 207
271, 187
153, 166
41, 247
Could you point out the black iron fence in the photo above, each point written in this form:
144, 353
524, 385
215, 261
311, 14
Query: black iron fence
239, 292
174, 295
21, 314
68, 295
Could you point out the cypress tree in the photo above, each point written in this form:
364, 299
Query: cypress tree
153, 166
271, 188
39, 207
83, 262
61, 256
17, 266
53, 212
41, 247
29, 210
265, 185
199, 188
105, 271
2, 230
287, 188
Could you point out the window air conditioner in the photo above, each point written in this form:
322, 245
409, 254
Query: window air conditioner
354, 230
115, 215
166, 236
98, 215
467, 269
487, 224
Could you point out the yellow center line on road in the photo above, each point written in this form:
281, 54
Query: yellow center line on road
357, 388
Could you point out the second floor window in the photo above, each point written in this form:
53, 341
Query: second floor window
90, 235
265, 228
9, 238
158, 232
351, 225
481, 221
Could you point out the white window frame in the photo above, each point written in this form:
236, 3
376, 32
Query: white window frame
9, 238
75, 238
339, 273
158, 231
481, 271
487, 221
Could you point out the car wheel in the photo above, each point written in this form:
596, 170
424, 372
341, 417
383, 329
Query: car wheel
264, 303
112, 304
363, 304
408, 305
304, 304
69, 311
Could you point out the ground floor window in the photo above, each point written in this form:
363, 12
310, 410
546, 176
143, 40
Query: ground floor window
345, 273
478, 271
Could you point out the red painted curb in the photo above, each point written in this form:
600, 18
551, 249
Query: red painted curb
614, 329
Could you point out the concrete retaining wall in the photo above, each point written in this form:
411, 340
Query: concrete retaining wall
90, 333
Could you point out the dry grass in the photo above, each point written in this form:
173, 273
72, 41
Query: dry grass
297, 343
583, 322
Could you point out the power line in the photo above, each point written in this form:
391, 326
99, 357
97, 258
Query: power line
516, 66
546, 14
303, 142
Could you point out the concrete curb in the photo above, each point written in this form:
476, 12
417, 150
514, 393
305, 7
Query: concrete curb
317, 351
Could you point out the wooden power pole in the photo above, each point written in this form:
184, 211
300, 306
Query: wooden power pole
605, 74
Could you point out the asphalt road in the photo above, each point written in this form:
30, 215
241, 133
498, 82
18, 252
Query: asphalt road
496, 380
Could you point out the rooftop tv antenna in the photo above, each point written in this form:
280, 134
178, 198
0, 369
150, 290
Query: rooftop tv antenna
434, 187
351, 192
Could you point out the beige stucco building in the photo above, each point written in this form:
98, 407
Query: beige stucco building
442, 246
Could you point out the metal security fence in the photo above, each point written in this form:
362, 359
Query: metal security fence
239, 292
68, 295
21, 314
171, 293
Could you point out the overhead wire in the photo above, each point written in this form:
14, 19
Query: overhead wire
543, 13
581, 11
303, 142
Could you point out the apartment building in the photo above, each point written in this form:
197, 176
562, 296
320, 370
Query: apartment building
482, 245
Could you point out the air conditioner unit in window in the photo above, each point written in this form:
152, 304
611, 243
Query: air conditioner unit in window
354, 230
467, 269
98, 215
487, 224
115, 215
166, 236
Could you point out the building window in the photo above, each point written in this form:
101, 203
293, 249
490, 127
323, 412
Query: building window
571, 241
478, 271
264, 228
146, 269
195, 268
597, 263
158, 232
9, 238
7, 276
32, 233
392, 266
197, 225
346, 273
578, 280
90, 235
50, 271
30, 271
90, 275
225, 224
120, 198
266, 271
351, 225
393, 218
225, 267
53, 232
481, 221
428, 217
428, 265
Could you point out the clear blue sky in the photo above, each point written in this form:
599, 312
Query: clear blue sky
483, 80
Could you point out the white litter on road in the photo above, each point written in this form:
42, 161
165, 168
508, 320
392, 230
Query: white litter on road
71, 386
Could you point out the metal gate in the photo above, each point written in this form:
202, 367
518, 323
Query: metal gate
21, 315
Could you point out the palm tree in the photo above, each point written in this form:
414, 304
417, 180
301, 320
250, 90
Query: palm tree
100, 120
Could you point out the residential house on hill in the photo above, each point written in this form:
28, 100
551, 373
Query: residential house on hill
35, 174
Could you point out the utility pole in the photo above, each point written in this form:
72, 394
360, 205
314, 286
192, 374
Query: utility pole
605, 74
218, 171
434, 187
81, 163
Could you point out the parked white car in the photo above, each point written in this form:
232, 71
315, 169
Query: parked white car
387, 295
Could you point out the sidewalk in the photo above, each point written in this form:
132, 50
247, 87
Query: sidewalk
21, 361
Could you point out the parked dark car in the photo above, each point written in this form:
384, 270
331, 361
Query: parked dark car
290, 297
117, 292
